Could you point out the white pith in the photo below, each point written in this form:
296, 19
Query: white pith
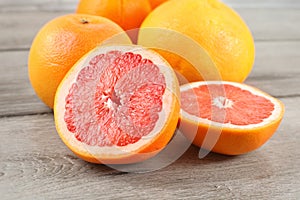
276, 112
168, 103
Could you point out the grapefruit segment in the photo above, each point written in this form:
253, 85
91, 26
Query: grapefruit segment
230, 118
116, 102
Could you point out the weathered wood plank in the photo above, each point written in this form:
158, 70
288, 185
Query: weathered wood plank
272, 24
34, 163
263, 4
16, 95
37, 5
266, 24
18, 31
276, 71
69, 5
276, 68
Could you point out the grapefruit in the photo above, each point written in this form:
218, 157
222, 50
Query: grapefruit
117, 105
155, 3
230, 118
213, 26
58, 46
129, 14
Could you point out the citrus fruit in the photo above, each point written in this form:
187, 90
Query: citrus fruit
129, 14
210, 23
117, 105
233, 118
59, 44
155, 3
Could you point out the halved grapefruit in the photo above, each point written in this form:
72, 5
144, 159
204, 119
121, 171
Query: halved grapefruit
229, 118
117, 105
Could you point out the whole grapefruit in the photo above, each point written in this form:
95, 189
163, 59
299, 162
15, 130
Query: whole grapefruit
58, 46
214, 26
129, 14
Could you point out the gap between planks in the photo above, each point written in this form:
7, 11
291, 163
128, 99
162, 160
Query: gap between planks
267, 24
50, 112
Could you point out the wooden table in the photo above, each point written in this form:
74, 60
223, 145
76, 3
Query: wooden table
35, 164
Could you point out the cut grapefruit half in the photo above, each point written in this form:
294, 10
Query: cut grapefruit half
118, 105
229, 118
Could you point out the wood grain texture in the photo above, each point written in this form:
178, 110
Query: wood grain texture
37, 5
263, 4
18, 32
267, 24
276, 68
281, 58
36, 164
16, 95
70, 5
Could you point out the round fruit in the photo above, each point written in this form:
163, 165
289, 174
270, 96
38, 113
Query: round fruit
155, 3
213, 25
117, 105
58, 46
129, 14
230, 118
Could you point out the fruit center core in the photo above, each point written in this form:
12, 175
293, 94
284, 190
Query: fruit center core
222, 102
115, 99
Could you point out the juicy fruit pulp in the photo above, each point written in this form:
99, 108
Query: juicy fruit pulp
229, 118
117, 105
115, 114
240, 107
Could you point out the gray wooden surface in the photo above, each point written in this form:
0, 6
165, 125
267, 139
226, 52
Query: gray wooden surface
35, 164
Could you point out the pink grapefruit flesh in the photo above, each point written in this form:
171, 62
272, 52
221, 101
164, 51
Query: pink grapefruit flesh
120, 117
241, 106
